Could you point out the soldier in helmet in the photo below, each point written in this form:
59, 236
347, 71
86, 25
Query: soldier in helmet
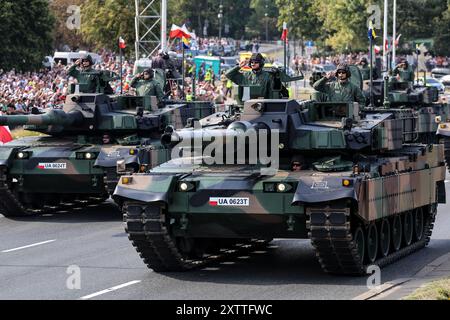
404, 71
257, 77
341, 90
146, 85
90, 80
363, 66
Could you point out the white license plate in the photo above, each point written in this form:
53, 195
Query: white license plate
229, 202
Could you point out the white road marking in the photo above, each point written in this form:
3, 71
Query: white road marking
28, 246
96, 294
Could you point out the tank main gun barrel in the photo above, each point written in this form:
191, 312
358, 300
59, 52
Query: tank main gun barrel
52, 117
238, 129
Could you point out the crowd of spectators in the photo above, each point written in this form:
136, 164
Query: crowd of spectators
307, 64
20, 92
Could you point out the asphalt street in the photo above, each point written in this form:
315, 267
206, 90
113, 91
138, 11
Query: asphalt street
38, 255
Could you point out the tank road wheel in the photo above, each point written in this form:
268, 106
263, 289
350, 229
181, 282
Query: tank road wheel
408, 228
372, 242
396, 233
419, 223
360, 243
385, 238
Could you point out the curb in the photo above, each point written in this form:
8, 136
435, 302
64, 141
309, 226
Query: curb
390, 288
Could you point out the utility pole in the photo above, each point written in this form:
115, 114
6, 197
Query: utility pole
266, 15
220, 16
394, 35
385, 35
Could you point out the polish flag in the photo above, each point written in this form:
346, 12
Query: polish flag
122, 44
179, 32
5, 135
284, 35
377, 49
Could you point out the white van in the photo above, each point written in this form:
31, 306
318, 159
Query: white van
68, 58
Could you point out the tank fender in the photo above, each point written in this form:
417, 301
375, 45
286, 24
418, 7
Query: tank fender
146, 188
6, 155
324, 189
109, 157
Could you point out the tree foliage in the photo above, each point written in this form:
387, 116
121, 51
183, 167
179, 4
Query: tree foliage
65, 35
104, 21
26, 28
200, 13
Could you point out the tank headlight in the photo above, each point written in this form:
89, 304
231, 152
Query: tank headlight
127, 180
23, 155
347, 183
88, 155
281, 187
281, 146
186, 187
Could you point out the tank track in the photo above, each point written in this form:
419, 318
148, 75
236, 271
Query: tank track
147, 229
331, 236
447, 151
11, 206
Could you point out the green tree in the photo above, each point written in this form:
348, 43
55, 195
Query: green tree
265, 15
26, 29
104, 21
66, 30
197, 14
303, 19
442, 33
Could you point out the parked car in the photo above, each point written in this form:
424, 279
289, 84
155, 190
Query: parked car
438, 73
324, 68
445, 80
431, 82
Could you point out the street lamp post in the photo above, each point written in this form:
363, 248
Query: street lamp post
266, 15
220, 16
267, 27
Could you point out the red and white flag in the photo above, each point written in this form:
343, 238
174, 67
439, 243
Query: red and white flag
179, 32
5, 135
284, 35
122, 43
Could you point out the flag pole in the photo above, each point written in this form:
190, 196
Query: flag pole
182, 69
121, 69
371, 70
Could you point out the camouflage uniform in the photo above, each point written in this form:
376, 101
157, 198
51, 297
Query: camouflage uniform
259, 78
91, 80
406, 75
340, 92
147, 88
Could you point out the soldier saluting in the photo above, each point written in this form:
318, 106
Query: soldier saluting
90, 80
341, 90
257, 77
146, 85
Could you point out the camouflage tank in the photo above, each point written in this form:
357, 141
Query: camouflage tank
86, 146
356, 185
432, 108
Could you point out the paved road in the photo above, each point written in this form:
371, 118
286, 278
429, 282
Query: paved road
35, 254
